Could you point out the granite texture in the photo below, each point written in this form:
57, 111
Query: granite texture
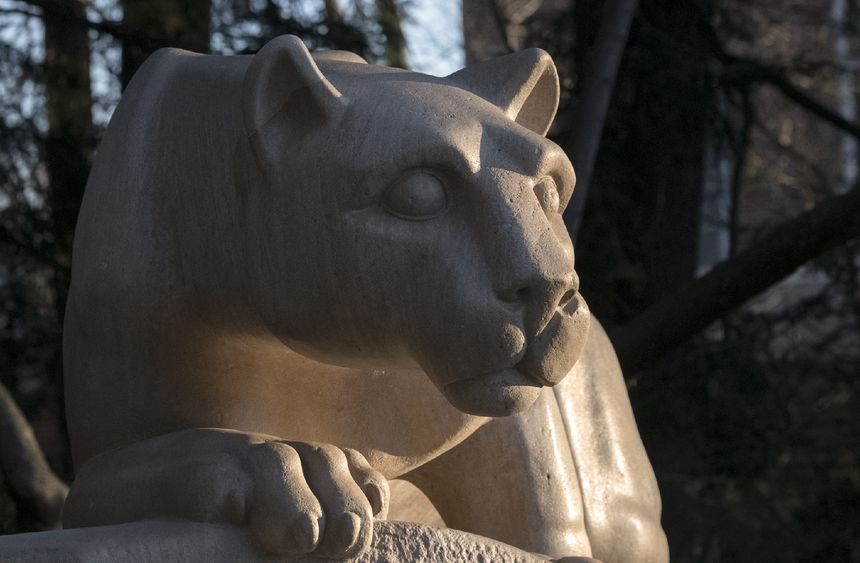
186, 542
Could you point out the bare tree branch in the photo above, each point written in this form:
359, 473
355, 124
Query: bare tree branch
39, 494
586, 130
745, 71
789, 245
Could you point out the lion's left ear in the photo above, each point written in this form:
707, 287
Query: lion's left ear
283, 78
523, 84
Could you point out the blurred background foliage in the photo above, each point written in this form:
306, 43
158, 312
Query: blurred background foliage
727, 119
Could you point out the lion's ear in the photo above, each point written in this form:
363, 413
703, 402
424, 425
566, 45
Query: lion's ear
282, 77
523, 84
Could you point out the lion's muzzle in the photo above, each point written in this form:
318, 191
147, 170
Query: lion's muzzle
551, 353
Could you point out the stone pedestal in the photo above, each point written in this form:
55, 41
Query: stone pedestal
186, 542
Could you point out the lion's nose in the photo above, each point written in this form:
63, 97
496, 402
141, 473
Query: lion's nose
541, 294
542, 290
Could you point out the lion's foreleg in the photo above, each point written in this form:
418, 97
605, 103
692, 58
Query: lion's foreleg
619, 491
514, 481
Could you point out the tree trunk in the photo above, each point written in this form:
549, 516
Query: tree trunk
69, 143
67, 149
332, 11
165, 23
639, 238
601, 70
484, 30
390, 19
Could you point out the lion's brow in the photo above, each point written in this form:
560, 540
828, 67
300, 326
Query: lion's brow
464, 157
532, 153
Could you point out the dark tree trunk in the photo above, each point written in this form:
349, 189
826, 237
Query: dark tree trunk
67, 149
69, 143
332, 11
589, 115
390, 19
484, 30
638, 240
165, 23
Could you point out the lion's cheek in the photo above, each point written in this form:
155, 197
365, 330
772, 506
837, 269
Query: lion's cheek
466, 344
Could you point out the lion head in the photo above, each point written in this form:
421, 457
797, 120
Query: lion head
401, 219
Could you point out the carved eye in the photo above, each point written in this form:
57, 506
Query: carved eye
547, 195
417, 197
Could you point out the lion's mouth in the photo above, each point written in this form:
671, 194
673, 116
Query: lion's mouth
552, 352
542, 358
529, 365
545, 360
500, 393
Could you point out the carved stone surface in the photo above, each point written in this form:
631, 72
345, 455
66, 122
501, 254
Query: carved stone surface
186, 542
298, 276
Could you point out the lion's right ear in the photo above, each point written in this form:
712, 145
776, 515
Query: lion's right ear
283, 78
524, 85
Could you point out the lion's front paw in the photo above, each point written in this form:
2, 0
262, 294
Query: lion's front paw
313, 498
295, 497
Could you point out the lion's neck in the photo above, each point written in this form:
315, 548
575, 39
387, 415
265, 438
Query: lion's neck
201, 375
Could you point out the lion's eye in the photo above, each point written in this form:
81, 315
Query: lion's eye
547, 195
417, 197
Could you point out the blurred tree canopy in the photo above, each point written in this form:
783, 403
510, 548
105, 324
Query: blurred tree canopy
716, 225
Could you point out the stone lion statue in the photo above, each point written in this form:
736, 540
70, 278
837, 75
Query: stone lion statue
299, 277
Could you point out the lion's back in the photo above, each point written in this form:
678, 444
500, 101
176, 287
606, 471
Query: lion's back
165, 156
164, 147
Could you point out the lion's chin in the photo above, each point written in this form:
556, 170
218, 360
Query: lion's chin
502, 393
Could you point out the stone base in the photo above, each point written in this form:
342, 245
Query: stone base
187, 542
